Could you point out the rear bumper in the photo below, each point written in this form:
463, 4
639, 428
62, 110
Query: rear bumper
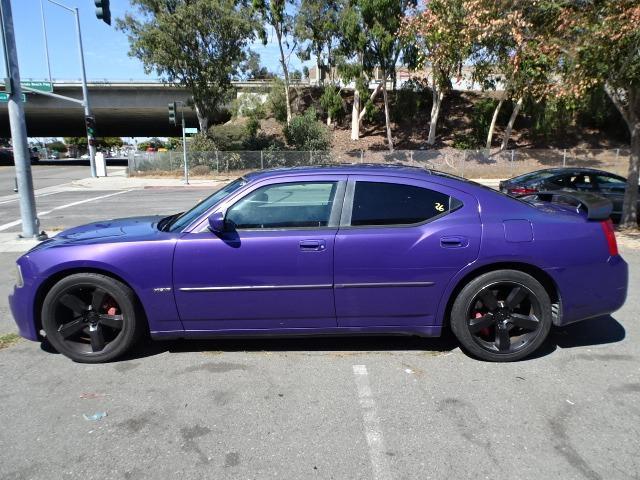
588, 291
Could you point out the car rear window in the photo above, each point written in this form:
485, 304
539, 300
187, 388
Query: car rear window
380, 203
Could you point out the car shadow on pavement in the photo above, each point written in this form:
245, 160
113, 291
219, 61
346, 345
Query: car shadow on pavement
318, 344
595, 331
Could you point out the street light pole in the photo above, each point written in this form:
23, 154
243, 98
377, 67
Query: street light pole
85, 97
85, 90
19, 143
46, 41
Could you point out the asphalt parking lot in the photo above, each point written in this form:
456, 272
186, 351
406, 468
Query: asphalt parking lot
334, 408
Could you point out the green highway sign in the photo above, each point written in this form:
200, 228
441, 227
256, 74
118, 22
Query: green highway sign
4, 97
42, 86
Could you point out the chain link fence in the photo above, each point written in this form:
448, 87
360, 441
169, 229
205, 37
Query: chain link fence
464, 163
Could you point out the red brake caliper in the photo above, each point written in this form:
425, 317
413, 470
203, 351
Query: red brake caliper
485, 331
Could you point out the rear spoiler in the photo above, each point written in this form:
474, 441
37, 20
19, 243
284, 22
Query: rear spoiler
597, 207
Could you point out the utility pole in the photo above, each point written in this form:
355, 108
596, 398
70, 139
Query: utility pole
21, 155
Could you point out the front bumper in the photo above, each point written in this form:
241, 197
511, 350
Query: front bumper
22, 310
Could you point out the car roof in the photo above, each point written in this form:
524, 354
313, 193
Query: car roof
342, 169
561, 170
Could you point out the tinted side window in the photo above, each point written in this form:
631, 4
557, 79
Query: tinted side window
377, 203
285, 205
611, 183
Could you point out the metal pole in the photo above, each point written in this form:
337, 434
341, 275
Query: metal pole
513, 152
85, 97
261, 160
18, 127
184, 150
564, 157
46, 41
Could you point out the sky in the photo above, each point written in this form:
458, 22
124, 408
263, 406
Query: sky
106, 48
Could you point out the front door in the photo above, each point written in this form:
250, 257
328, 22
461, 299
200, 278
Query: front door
397, 248
272, 269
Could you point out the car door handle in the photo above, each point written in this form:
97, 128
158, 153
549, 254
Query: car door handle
312, 245
454, 241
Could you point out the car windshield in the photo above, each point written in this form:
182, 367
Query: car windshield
181, 220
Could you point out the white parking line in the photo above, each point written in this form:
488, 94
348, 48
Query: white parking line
9, 225
373, 432
37, 196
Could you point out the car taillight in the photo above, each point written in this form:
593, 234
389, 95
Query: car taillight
522, 191
610, 235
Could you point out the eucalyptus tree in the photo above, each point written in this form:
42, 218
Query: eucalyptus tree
197, 43
370, 36
274, 14
435, 31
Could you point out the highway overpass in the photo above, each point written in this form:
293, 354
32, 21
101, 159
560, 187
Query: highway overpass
122, 109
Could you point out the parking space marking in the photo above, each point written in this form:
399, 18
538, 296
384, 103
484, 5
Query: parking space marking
9, 225
373, 432
37, 196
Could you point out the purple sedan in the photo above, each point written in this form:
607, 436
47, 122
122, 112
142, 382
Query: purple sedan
329, 250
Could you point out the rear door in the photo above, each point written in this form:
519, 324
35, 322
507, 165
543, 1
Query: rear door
400, 241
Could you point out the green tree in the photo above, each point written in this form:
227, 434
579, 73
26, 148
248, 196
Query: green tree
198, 43
316, 29
508, 38
273, 13
596, 43
370, 32
440, 49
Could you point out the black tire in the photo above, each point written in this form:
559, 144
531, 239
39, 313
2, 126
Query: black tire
491, 326
91, 318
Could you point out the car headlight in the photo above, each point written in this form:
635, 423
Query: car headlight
19, 279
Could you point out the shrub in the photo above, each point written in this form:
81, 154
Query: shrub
249, 105
200, 170
252, 126
201, 142
277, 101
306, 133
331, 103
410, 99
231, 136
481, 116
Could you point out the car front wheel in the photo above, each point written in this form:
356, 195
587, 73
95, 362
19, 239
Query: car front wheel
502, 316
90, 318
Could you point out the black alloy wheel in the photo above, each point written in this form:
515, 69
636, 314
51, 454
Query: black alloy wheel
502, 316
90, 318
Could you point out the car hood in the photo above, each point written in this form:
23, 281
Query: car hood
117, 230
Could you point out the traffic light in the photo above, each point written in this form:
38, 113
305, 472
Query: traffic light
172, 113
102, 11
90, 122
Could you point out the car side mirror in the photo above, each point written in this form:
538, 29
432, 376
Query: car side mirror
217, 223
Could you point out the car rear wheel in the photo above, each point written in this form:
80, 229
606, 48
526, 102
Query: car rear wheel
502, 316
90, 318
